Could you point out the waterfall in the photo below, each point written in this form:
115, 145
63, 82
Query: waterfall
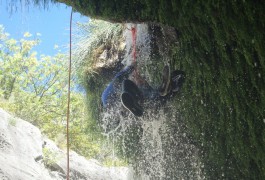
157, 142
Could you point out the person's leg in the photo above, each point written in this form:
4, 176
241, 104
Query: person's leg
130, 87
130, 96
159, 94
176, 81
149, 93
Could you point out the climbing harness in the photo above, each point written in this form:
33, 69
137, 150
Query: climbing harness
68, 98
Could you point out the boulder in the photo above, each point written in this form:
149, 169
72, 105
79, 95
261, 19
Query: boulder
22, 156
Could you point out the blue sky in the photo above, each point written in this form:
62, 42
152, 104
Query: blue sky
52, 23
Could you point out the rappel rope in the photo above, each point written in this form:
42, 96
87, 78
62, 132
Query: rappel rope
68, 98
137, 80
134, 31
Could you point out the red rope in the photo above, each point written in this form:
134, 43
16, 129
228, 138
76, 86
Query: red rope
134, 30
137, 78
68, 102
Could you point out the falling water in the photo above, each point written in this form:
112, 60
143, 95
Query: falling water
157, 141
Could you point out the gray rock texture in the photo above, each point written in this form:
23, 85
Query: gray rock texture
22, 149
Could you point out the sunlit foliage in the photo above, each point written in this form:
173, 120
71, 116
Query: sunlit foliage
34, 87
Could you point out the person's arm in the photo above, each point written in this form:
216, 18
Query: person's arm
107, 93
125, 71
110, 88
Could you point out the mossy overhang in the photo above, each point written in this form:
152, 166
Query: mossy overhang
128, 10
180, 14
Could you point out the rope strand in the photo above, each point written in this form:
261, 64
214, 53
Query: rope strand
134, 30
68, 99
138, 80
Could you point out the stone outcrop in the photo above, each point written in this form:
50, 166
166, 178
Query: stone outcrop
25, 154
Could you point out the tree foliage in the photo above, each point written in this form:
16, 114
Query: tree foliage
97, 37
34, 87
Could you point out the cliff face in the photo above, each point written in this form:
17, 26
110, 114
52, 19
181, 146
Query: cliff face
180, 14
25, 154
221, 49
155, 144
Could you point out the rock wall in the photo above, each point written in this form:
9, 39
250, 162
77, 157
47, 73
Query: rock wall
22, 149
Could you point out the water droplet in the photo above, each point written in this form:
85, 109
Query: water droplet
201, 101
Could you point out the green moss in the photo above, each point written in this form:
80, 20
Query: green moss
224, 63
222, 52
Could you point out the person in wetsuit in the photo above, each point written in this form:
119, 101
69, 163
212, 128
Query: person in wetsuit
137, 89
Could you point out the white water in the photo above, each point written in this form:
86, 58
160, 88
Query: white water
164, 150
